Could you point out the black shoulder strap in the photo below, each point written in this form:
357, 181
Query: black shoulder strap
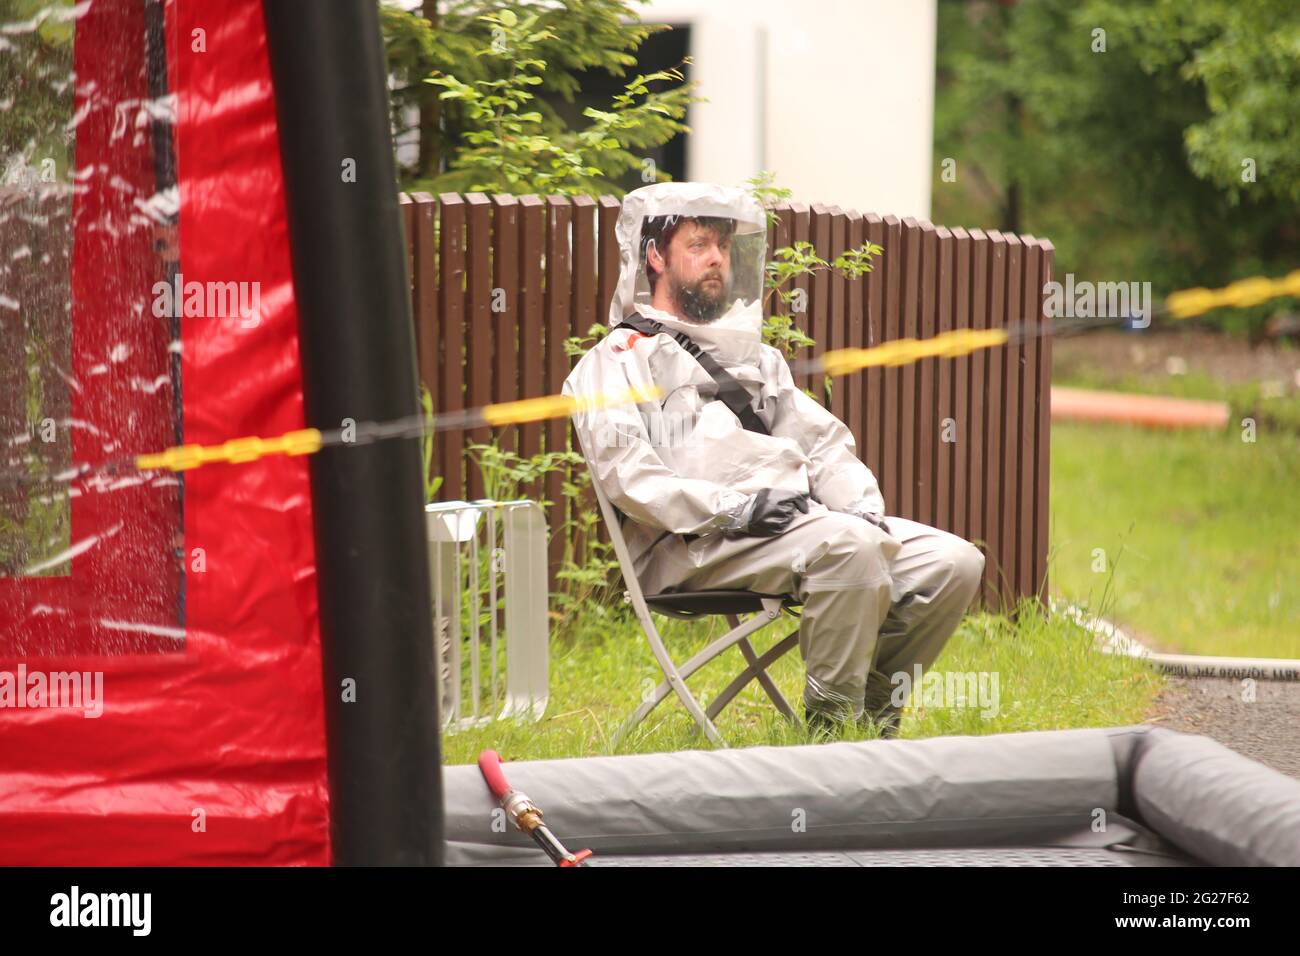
730, 392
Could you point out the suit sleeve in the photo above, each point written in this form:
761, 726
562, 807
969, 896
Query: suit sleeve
630, 471
838, 476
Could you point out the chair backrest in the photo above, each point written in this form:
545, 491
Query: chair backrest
611, 517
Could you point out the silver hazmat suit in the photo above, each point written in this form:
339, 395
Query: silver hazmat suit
880, 593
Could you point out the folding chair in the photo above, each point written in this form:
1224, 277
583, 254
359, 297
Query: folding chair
691, 605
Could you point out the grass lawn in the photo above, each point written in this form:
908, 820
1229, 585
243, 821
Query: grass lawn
1199, 529
1046, 678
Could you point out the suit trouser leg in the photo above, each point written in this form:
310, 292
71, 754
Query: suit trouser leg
836, 564
873, 603
935, 577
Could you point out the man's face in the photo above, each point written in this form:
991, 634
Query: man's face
696, 273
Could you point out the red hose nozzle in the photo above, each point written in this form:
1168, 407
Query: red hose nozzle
489, 763
526, 815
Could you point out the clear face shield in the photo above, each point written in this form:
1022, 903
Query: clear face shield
700, 268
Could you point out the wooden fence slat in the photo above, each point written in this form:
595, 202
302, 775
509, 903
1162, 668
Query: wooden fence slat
559, 285
993, 472
855, 333
977, 476
584, 265
451, 302
947, 437
406, 211
584, 313
819, 292
837, 311
609, 256
907, 377
961, 319
800, 231
895, 262
506, 345
927, 419
532, 214
873, 382
1030, 301
1042, 428
478, 301
1011, 404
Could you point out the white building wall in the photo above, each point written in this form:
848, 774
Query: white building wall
834, 96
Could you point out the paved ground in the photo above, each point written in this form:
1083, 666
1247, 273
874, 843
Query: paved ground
1267, 729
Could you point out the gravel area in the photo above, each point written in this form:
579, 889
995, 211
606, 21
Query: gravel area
1266, 729
1160, 355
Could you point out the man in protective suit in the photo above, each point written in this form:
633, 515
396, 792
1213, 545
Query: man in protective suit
735, 478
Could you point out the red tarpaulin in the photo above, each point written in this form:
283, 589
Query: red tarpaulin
210, 748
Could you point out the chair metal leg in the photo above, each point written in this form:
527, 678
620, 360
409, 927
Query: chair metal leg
674, 681
676, 676
758, 668
764, 678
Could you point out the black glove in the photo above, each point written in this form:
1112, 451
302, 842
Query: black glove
879, 522
773, 511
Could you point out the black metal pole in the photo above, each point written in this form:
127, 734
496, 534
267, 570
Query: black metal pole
164, 177
358, 355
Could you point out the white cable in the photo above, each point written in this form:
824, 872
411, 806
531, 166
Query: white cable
1112, 640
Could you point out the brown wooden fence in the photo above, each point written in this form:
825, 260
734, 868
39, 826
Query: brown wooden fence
498, 283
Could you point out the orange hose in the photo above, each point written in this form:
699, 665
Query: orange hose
1155, 411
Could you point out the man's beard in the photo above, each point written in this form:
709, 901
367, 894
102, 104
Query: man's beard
700, 305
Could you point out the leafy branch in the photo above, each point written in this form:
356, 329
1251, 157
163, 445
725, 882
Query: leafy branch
789, 263
510, 144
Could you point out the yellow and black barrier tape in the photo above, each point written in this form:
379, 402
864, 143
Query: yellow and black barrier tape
308, 441
1241, 294
1183, 304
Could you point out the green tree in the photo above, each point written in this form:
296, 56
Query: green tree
481, 51
1119, 129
